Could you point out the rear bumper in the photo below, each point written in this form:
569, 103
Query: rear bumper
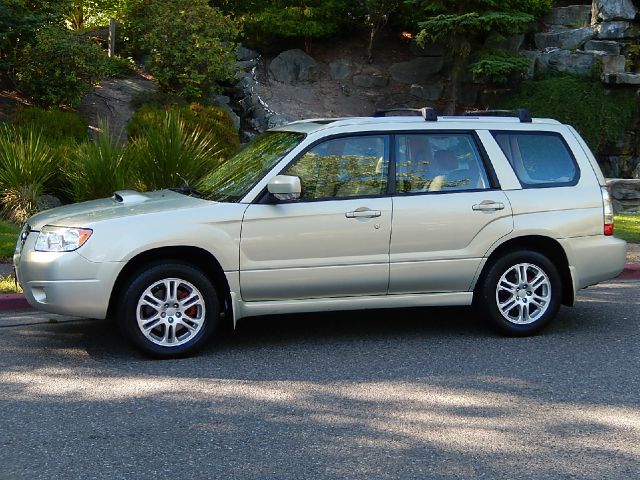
65, 283
594, 259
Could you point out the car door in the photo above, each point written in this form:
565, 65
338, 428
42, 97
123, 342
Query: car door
448, 211
334, 240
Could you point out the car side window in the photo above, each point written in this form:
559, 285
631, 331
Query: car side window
344, 167
539, 158
433, 162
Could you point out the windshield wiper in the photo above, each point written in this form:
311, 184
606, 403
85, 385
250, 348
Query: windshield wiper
192, 192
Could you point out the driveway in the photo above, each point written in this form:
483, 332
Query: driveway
423, 394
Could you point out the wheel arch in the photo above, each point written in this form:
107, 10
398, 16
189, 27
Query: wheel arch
546, 246
195, 256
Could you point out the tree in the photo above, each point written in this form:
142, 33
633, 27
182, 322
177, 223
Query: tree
376, 17
306, 19
462, 26
191, 46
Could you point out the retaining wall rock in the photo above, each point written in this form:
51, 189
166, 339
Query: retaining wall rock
293, 67
625, 194
607, 10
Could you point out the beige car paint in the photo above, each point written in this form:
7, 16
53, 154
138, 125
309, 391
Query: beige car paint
306, 256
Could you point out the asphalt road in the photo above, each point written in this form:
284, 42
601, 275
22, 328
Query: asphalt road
423, 394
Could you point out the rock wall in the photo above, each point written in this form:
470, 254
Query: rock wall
601, 38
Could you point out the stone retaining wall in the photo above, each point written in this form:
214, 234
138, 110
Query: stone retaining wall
625, 194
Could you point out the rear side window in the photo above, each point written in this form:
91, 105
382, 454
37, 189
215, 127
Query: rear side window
539, 159
438, 162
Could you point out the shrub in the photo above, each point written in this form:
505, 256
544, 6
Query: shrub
58, 68
498, 66
118, 67
55, 125
600, 115
97, 169
27, 170
191, 46
169, 154
211, 121
308, 19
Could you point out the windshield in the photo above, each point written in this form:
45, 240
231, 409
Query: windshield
235, 177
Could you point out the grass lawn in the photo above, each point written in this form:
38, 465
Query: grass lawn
8, 238
627, 226
8, 285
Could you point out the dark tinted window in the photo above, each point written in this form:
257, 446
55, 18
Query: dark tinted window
539, 159
438, 162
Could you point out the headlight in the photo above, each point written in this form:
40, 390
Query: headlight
61, 239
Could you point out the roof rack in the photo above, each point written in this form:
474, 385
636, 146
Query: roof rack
522, 113
428, 113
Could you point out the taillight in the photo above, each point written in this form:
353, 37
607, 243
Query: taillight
608, 212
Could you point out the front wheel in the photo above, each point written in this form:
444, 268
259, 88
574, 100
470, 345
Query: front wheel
521, 293
168, 310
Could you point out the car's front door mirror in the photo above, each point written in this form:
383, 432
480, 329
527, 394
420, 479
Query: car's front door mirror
285, 187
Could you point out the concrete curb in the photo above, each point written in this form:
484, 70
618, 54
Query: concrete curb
16, 301
13, 301
631, 272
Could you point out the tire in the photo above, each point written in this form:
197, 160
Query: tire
168, 310
519, 308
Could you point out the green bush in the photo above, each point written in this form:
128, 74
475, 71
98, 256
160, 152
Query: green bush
118, 67
170, 154
211, 121
55, 125
192, 46
58, 68
601, 116
498, 66
97, 169
27, 171
307, 19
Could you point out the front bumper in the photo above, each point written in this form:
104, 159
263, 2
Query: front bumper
65, 283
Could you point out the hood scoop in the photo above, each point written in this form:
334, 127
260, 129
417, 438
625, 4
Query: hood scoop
129, 197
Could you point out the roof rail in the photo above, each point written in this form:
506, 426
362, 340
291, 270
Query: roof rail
522, 113
428, 113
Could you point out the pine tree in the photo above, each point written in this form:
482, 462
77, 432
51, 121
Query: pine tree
462, 26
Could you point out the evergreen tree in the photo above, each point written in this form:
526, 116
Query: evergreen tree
462, 26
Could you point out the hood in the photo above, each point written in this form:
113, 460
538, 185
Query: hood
123, 203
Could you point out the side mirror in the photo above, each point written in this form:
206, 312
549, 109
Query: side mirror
285, 187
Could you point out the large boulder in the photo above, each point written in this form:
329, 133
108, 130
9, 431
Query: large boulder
608, 10
621, 78
606, 46
565, 61
571, 16
431, 92
616, 30
370, 80
244, 54
613, 63
340, 69
293, 67
419, 70
565, 39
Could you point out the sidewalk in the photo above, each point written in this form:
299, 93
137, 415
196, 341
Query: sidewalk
18, 302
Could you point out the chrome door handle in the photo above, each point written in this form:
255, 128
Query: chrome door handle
488, 206
363, 212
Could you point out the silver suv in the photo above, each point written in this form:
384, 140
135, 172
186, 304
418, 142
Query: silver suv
509, 214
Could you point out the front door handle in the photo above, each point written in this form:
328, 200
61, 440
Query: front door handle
363, 212
488, 206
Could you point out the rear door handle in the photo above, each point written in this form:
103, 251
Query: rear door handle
363, 212
488, 206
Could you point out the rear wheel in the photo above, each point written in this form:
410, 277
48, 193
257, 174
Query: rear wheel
168, 310
521, 293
